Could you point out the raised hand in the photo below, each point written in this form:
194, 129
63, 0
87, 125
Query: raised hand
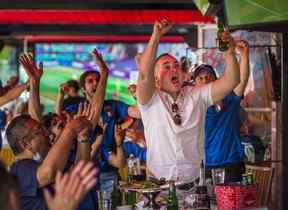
99, 60
99, 137
226, 37
161, 27
118, 134
78, 124
242, 47
84, 110
132, 90
71, 187
63, 88
33, 71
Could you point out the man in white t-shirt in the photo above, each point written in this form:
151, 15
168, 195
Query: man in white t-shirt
173, 116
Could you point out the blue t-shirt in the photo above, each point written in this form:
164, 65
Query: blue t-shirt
31, 196
2, 125
90, 201
112, 112
222, 133
134, 149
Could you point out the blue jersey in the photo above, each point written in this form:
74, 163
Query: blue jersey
222, 133
134, 149
113, 111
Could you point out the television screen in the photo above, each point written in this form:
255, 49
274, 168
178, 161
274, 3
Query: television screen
64, 61
253, 12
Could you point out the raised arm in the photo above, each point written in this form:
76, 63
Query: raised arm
83, 146
34, 73
12, 93
118, 159
95, 146
243, 48
231, 77
57, 156
60, 98
146, 80
83, 143
98, 97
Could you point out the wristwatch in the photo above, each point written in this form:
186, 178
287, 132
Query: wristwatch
83, 140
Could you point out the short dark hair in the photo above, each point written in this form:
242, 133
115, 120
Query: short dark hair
47, 120
162, 55
74, 84
86, 74
7, 184
16, 131
204, 68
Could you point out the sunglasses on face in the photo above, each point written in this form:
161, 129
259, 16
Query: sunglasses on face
38, 130
176, 116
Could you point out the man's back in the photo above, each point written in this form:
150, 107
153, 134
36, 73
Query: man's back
222, 133
31, 196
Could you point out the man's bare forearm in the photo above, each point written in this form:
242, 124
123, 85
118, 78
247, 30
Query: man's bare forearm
83, 151
117, 160
12, 94
98, 98
230, 79
231, 73
34, 106
59, 103
244, 75
146, 80
56, 158
148, 57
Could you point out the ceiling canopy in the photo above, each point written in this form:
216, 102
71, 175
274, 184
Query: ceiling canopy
96, 17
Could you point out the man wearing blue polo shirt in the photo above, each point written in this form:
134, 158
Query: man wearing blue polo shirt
113, 112
223, 149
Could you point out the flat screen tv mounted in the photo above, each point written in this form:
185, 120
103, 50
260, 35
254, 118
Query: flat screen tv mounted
259, 15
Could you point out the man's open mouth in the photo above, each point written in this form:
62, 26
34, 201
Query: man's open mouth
174, 79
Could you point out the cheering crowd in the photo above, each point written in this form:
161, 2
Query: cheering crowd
64, 158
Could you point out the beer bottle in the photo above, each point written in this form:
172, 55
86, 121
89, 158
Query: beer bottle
131, 198
131, 168
116, 195
172, 203
202, 181
222, 45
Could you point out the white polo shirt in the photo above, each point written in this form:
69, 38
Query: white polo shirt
175, 152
